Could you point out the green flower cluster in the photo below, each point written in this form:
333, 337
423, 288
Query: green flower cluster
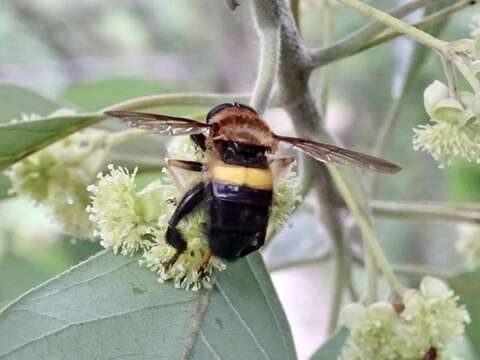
58, 175
454, 130
453, 133
128, 220
425, 322
468, 245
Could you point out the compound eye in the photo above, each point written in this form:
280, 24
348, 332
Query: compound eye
217, 108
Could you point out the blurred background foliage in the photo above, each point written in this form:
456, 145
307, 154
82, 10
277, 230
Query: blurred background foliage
90, 54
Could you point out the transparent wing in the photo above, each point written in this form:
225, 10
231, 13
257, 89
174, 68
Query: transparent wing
337, 155
160, 124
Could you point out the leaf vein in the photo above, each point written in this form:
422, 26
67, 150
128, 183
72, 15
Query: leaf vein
84, 322
242, 321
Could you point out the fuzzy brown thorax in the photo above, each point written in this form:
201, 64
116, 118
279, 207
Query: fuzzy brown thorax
244, 126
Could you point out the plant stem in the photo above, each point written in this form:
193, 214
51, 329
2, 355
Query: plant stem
127, 135
419, 270
449, 71
426, 211
350, 44
467, 73
186, 99
400, 269
232, 4
371, 292
289, 264
268, 29
401, 26
367, 232
445, 272
381, 39
295, 6
327, 16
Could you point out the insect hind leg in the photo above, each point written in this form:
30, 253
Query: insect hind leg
187, 204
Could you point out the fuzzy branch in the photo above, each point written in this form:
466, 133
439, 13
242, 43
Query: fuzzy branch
354, 42
266, 14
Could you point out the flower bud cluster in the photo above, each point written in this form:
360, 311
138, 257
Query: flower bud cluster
128, 220
58, 175
425, 322
468, 245
453, 133
454, 130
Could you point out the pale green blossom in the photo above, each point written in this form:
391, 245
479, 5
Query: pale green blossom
58, 175
475, 26
428, 320
468, 245
286, 196
371, 332
117, 212
453, 131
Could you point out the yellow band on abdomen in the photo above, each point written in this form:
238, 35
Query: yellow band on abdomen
238, 175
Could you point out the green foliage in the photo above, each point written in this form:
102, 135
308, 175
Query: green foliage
463, 180
467, 286
21, 139
109, 307
15, 101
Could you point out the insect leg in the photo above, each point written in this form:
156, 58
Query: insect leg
189, 201
173, 164
199, 140
205, 259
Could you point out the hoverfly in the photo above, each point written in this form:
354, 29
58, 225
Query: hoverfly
238, 175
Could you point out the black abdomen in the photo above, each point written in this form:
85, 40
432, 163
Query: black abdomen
238, 219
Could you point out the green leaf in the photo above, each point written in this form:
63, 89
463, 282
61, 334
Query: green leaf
110, 307
333, 347
467, 286
21, 139
15, 101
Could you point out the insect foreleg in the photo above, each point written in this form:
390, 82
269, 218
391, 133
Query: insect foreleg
199, 140
190, 200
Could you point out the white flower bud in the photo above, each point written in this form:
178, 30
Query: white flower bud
383, 311
431, 319
431, 288
475, 26
433, 94
353, 315
449, 110
476, 47
468, 245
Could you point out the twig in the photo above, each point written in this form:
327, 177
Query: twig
420, 270
327, 17
427, 211
425, 23
289, 264
195, 99
266, 14
350, 44
232, 4
401, 26
367, 232
295, 6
